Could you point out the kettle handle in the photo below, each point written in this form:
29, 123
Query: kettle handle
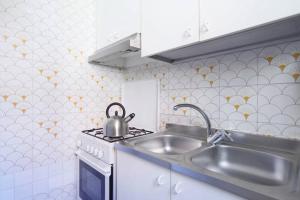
115, 104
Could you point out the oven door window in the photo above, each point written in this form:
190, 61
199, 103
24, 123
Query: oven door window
91, 183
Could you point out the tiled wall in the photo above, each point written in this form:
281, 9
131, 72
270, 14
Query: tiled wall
255, 91
48, 93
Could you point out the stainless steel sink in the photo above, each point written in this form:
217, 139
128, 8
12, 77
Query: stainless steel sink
246, 164
169, 144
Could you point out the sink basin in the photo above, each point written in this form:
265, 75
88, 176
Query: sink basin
169, 144
246, 164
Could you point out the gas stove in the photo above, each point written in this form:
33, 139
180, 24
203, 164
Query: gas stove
133, 132
96, 157
100, 147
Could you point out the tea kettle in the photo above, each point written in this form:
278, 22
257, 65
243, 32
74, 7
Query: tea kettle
116, 126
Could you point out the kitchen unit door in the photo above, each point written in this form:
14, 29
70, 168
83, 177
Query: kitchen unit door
186, 188
138, 179
168, 24
219, 18
116, 20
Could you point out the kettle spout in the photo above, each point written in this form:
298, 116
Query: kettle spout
129, 117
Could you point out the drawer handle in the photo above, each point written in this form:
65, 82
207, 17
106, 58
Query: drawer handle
160, 180
177, 189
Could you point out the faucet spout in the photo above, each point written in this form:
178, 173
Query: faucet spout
204, 115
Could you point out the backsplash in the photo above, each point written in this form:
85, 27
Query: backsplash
48, 93
254, 91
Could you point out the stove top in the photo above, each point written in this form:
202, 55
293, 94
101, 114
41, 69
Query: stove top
133, 132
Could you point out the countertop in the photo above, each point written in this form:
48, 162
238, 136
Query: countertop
179, 163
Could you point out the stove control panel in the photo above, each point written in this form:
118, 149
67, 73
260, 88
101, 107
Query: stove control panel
97, 148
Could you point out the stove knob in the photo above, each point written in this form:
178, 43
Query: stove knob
100, 154
91, 150
95, 152
88, 148
79, 143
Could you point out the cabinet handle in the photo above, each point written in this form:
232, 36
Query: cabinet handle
177, 189
160, 180
204, 28
187, 33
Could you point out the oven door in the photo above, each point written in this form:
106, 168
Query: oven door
93, 178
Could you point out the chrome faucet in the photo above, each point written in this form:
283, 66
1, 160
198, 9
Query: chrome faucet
211, 138
209, 131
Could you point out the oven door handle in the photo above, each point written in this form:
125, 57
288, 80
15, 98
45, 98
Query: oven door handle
99, 165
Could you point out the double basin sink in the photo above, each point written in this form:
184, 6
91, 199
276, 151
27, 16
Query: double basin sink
257, 165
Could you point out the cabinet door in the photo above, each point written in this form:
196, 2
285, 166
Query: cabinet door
186, 188
168, 24
116, 20
219, 18
138, 179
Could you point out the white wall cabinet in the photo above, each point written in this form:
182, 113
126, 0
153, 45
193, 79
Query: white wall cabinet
168, 24
140, 179
116, 20
218, 18
186, 188
171, 24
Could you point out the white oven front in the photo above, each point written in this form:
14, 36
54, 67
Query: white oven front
94, 178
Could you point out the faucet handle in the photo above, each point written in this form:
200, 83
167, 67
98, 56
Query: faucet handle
219, 136
227, 135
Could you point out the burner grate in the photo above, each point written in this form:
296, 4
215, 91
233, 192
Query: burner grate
133, 132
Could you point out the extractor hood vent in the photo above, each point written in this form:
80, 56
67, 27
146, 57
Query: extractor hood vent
123, 53
271, 33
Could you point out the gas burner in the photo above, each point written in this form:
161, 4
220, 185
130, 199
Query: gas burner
133, 132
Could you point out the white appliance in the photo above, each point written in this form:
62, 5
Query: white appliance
141, 98
123, 53
116, 54
95, 160
95, 163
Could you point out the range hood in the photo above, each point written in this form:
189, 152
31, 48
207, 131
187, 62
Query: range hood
287, 29
123, 53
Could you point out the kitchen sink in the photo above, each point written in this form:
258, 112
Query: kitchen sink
249, 165
169, 144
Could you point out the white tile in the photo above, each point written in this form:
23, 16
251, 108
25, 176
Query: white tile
6, 182
7, 194
69, 177
23, 178
23, 192
56, 181
40, 173
41, 186
279, 104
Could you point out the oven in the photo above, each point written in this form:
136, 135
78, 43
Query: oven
94, 178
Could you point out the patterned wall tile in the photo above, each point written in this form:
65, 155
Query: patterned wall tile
247, 91
179, 76
205, 73
48, 91
164, 102
279, 130
238, 125
15, 144
179, 97
179, 119
208, 99
279, 104
279, 64
163, 120
238, 103
239, 69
